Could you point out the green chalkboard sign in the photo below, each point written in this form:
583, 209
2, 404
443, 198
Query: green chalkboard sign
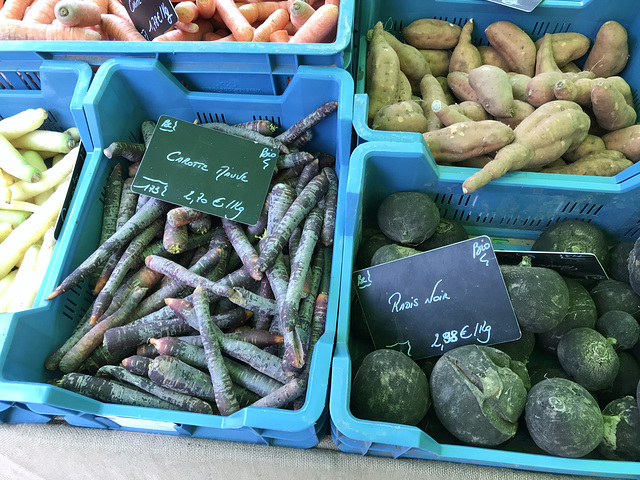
207, 170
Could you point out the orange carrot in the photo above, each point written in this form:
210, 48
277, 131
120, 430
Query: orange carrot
177, 35
40, 11
187, 11
259, 12
276, 21
290, 28
77, 13
116, 8
235, 21
120, 29
206, 8
211, 37
187, 27
300, 12
103, 5
11, 29
14, 9
319, 25
279, 36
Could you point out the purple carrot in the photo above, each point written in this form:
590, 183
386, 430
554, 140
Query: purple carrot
179, 400
263, 127
263, 320
200, 225
298, 210
247, 299
284, 395
259, 338
52, 362
109, 391
137, 364
293, 357
302, 140
309, 171
112, 193
175, 239
99, 357
180, 216
90, 341
248, 134
130, 150
325, 160
294, 159
142, 199
146, 129
280, 199
178, 272
330, 207
135, 248
147, 350
171, 373
140, 220
242, 246
307, 122
307, 304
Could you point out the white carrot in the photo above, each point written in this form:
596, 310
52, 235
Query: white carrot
27, 294
31, 230
50, 178
5, 229
6, 282
42, 197
45, 140
12, 162
21, 123
34, 159
15, 299
19, 205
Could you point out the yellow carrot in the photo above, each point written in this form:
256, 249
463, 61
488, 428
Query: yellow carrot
23, 122
16, 300
5, 229
12, 162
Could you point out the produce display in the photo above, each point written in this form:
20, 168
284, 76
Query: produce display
295, 21
35, 171
568, 387
513, 104
203, 314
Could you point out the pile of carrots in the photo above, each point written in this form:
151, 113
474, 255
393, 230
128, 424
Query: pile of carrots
289, 21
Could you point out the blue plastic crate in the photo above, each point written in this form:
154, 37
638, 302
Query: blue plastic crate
265, 58
551, 16
124, 93
503, 213
59, 88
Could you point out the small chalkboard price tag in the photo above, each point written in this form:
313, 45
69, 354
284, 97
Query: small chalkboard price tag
568, 264
151, 17
432, 302
207, 170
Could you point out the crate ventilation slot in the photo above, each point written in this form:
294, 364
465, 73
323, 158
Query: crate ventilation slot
582, 209
540, 28
632, 233
20, 81
210, 117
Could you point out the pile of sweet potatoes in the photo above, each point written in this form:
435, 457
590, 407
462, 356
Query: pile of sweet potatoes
514, 104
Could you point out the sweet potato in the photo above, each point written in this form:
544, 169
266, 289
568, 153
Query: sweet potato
447, 114
430, 90
625, 140
404, 116
542, 137
412, 63
567, 46
610, 108
521, 110
438, 61
540, 89
465, 57
514, 45
431, 33
571, 67
382, 68
545, 61
490, 56
405, 90
519, 86
473, 110
610, 51
493, 89
579, 89
459, 84
590, 144
467, 140
604, 163
448, 93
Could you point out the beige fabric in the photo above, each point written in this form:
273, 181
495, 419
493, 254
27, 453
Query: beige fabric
58, 451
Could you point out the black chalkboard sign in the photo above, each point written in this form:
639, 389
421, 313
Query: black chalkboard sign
429, 303
151, 17
568, 264
207, 170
